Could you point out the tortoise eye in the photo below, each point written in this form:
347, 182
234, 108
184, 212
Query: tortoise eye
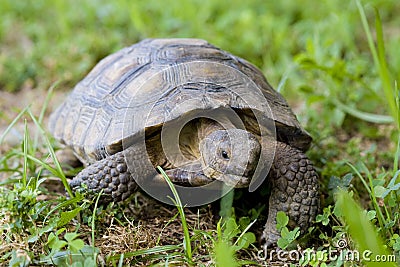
224, 154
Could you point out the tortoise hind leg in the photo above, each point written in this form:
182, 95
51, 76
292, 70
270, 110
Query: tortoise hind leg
294, 191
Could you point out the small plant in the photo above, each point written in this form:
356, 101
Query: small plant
22, 207
231, 238
236, 233
287, 237
69, 250
56, 244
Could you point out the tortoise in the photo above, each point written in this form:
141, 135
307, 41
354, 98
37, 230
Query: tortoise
201, 113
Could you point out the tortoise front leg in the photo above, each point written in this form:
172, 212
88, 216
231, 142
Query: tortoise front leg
294, 191
114, 176
187, 175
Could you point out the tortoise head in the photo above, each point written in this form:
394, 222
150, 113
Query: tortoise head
230, 156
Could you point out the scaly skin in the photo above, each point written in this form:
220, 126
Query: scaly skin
294, 190
110, 175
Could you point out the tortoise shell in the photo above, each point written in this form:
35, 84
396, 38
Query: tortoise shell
157, 81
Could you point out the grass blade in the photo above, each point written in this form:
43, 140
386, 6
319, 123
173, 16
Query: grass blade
142, 252
370, 117
245, 231
361, 230
226, 204
44, 108
11, 125
25, 154
178, 203
381, 65
47, 100
396, 155
371, 193
93, 224
57, 164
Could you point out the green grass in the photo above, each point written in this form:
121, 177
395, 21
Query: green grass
336, 62
177, 201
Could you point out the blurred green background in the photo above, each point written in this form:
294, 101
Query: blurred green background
312, 51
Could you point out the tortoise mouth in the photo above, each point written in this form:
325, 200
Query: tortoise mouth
237, 181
